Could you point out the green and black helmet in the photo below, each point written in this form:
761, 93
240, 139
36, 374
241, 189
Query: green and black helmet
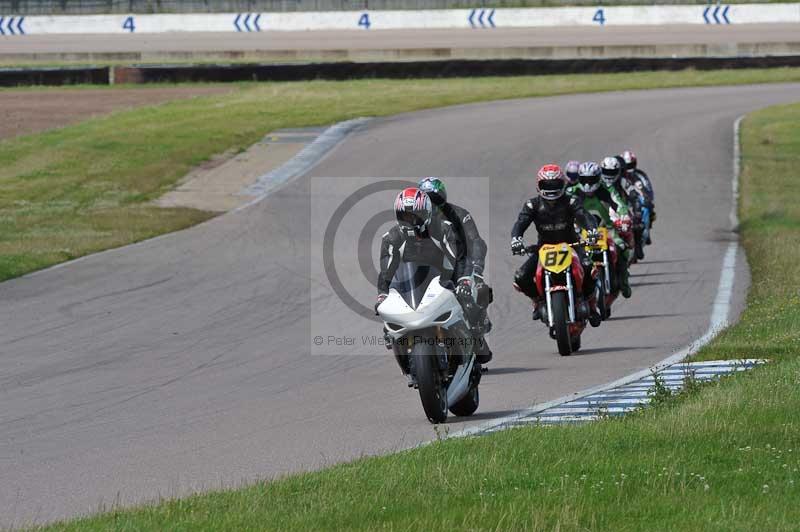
434, 188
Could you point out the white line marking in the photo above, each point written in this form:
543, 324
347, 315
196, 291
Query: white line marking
720, 315
737, 168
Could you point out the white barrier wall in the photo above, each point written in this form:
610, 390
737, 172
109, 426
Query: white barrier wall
378, 20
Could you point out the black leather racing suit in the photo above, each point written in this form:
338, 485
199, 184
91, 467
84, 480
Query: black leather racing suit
628, 192
555, 222
438, 247
473, 245
642, 184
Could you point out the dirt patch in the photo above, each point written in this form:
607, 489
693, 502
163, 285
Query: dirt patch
28, 111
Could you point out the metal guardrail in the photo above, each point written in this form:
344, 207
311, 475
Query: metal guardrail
84, 7
386, 70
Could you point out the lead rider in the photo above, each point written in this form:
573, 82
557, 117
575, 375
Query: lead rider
421, 237
555, 214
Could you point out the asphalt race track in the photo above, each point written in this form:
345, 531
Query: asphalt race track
403, 39
183, 363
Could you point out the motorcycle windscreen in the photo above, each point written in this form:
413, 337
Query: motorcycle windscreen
411, 281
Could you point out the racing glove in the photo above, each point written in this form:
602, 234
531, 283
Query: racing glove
464, 288
517, 246
381, 299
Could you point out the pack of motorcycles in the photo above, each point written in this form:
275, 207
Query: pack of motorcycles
429, 330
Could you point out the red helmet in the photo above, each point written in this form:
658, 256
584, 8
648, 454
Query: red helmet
630, 160
413, 209
550, 182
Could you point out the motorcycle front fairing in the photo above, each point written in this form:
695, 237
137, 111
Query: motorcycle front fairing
417, 300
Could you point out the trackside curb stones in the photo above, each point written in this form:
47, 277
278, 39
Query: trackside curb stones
628, 397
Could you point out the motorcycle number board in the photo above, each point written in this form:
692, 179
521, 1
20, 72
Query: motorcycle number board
555, 257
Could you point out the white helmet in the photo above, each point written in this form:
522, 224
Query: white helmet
611, 171
589, 177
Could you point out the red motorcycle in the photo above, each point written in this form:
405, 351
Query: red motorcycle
559, 276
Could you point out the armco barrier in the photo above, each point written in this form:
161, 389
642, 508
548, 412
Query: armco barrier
389, 70
483, 18
432, 69
12, 77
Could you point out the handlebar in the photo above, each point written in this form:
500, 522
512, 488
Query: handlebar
530, 250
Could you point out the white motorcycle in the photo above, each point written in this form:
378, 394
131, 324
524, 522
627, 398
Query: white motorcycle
431, 340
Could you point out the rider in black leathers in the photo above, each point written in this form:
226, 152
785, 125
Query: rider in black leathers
423, 238
642, 183
554, 214
470, 242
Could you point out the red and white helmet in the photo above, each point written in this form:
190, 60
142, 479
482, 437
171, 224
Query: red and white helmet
413, 209
630, 160
550, 182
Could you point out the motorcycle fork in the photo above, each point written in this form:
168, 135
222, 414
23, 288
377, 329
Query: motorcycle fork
548, 299
606, 272
571, 293
441, 351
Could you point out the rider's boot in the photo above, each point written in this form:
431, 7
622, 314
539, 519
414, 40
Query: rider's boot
487, 325
583, 308
483, 355
484, 324
594, 314
639, 248
537, 310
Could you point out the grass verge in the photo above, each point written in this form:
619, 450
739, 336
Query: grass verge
88, 187
725, 457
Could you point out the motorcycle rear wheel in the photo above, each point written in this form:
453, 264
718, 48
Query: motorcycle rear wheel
558, 300
432, 391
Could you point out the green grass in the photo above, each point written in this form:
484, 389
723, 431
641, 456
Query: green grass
88, 187
770, 233
724, 457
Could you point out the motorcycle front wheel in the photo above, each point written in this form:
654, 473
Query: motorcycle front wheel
602, 307
432, 391
561, 322
467, 405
